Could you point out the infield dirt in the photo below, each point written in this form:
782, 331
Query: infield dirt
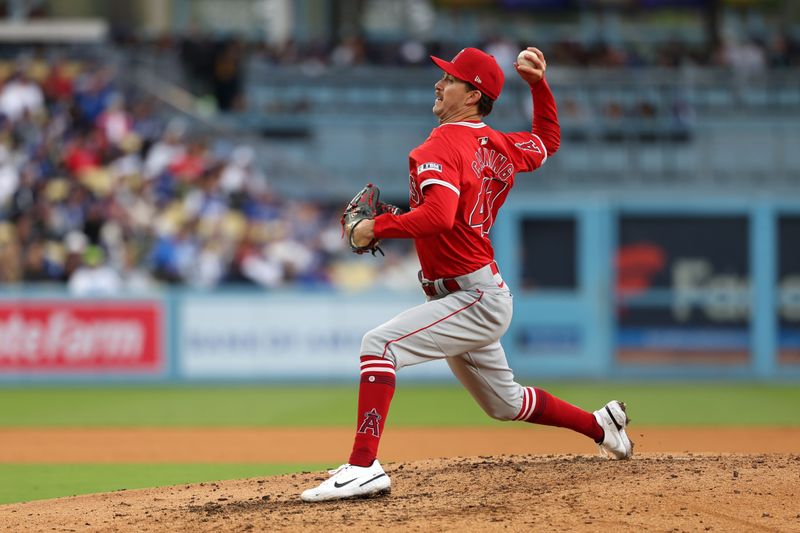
657, 490
652, 492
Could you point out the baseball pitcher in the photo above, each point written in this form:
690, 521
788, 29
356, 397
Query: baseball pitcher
458, 180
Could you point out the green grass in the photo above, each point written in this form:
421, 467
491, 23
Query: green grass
698, 404
702, 404
25, 482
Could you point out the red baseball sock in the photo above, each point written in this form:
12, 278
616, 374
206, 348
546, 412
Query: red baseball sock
374, 396
541, 407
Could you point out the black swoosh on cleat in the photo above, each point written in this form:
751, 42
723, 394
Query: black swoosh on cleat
619, 428
371, 480
340, 485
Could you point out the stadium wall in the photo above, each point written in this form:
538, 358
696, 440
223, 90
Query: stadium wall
677, 287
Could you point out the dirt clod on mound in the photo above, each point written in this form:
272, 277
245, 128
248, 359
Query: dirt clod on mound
508, 493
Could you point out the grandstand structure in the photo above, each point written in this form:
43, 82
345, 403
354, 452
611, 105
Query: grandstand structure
331, 96
660, 96
623, 130
200, 148
652, 94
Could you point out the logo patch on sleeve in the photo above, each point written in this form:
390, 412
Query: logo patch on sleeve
530, 146
436, 167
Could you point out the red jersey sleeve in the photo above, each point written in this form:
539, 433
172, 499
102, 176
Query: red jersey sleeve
531, 149
435, 214
433, 164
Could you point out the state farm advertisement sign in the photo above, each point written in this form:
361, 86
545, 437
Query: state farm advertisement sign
69, 336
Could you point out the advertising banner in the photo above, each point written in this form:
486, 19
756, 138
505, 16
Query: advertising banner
789, 289
683, 289
549, 253
299, 336
88, 337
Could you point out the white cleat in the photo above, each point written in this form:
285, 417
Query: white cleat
350, 481
613, 419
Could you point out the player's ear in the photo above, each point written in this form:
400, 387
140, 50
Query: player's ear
473, 97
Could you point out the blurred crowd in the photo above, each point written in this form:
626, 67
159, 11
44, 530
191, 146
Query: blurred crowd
99, 192
218, 67
220, 57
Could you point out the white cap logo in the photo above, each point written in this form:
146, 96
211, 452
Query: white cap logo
478, 79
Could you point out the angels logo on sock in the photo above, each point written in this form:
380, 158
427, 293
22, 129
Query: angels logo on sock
370, 423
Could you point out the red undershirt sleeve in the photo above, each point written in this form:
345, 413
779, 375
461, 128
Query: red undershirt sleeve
545, 117
436, 214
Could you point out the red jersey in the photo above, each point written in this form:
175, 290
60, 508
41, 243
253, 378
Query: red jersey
470, 167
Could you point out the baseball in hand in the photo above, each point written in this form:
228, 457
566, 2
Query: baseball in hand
523, 61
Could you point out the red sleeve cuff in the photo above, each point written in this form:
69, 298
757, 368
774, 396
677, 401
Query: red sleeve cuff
381, 223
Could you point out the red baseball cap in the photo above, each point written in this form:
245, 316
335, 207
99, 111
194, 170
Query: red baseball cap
476, 67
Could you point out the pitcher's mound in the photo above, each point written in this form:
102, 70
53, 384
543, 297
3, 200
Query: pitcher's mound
518, 492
